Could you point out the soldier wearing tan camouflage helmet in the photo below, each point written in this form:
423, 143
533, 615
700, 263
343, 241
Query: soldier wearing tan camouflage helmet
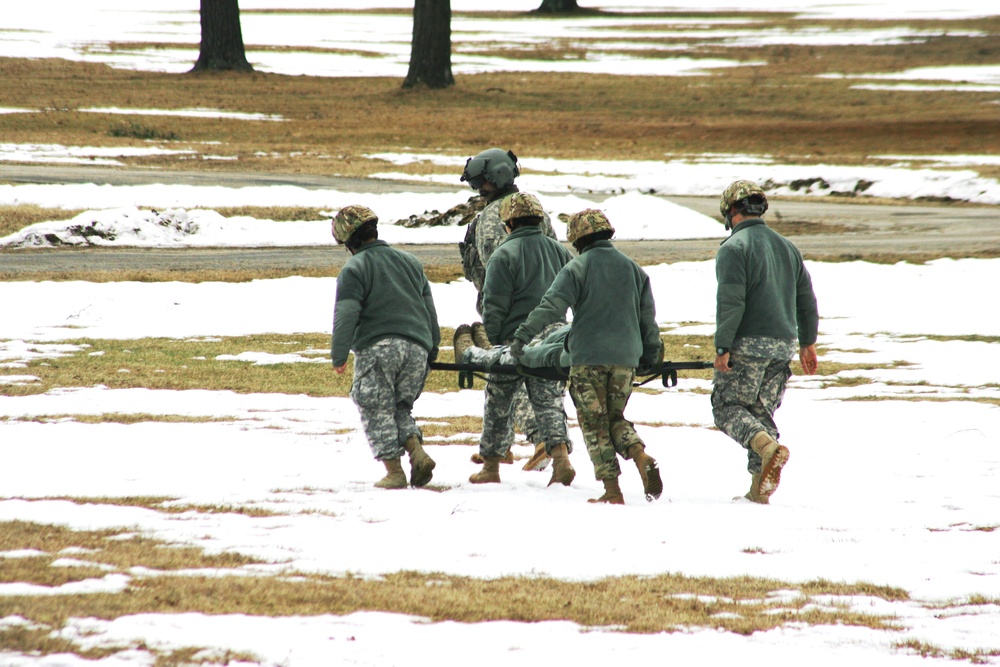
614, 331
384, 312
765, 310
517, 276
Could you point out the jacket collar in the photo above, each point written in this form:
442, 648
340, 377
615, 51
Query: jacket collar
521, 232
604, 243
750, 222
369, 246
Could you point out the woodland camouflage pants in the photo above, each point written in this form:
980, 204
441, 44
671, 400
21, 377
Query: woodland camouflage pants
388, 378
600, 394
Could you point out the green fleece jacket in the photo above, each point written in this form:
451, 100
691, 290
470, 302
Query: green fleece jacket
764, 288
614, 316
518, 274
382, 293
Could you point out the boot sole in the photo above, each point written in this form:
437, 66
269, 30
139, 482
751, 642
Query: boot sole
770, 475
652, 485
538, 462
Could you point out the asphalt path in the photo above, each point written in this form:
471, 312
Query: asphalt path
823, 230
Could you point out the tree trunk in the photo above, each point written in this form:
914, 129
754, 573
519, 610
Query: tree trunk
221, 37
553, 6
430, 51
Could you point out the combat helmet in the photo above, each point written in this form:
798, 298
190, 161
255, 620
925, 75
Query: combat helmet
495, 165
749, 197
349, 219
586, 223
520, 205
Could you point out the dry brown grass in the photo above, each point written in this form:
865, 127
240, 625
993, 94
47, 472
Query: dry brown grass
15, 218
167, 363
660, 603
783, 110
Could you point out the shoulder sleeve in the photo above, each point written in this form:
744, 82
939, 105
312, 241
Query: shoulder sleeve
561, 295
730, 298
807, 310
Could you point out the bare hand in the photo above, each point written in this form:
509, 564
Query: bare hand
722, 363
340, 369
807, 357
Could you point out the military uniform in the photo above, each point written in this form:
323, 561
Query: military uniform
385, 312
517, 276
765, 311
482, 237
614, 331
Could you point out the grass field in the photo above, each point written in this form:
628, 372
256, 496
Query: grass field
776, 104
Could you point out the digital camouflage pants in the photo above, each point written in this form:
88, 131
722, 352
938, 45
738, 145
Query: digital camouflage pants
600, 394
744, 399
546, 397
388, 378
533, 404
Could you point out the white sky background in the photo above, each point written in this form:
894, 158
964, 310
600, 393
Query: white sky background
893, 492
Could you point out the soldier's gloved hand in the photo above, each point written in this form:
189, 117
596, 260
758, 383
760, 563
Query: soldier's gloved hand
432, 355
516, 349
646, 367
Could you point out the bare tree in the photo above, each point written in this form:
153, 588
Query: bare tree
221, 37
553, 6
430, 50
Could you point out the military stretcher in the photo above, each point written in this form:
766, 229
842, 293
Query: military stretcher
666, 370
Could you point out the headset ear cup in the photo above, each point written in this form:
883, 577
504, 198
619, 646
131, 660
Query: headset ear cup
503, 176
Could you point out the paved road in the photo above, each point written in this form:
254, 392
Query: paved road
823, 230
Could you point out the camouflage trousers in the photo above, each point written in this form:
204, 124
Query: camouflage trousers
388, 378
522, 413
546, 399
744, 399
530, 405
600, 394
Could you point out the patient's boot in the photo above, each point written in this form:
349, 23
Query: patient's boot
462, 341
479, 336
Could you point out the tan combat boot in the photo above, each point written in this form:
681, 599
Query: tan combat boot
490, 474
394, 478
562, 469
612, 493
751, 495
652, 485
479, 336
539, 460
773, 458
462, 341
421, 465
477, 458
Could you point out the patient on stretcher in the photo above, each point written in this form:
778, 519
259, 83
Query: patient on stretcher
548, 350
